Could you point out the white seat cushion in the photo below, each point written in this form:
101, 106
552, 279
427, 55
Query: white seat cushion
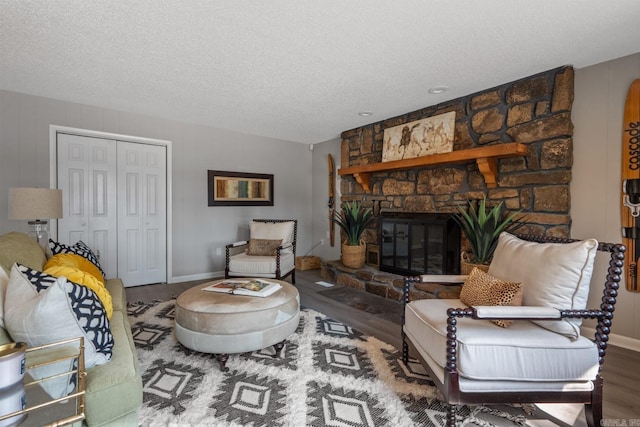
260, 266
522, 352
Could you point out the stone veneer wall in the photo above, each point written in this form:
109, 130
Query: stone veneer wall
535, 111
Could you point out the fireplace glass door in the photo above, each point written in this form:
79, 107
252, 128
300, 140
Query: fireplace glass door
420, 244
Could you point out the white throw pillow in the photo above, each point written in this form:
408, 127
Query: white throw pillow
46, 309
272, 231
4, 281
554, 275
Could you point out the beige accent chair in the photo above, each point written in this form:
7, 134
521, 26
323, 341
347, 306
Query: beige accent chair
269, 253
542, 356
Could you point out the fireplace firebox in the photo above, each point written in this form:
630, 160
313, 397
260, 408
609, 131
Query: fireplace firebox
415, 244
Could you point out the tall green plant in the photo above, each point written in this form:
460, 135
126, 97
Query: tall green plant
353, 220
482, 228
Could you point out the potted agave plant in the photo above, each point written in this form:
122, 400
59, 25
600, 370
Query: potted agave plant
353, 219
482, 228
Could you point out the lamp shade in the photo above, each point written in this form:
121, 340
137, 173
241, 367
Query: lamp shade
35, 203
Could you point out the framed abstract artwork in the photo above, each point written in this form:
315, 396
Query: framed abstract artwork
240, 189
423, 137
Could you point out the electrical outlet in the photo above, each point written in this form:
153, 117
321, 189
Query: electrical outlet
218, 251
322, 241
328, 235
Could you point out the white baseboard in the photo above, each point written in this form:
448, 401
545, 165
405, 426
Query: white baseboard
203, 276
617, 340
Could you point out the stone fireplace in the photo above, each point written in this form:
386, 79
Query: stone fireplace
534, 111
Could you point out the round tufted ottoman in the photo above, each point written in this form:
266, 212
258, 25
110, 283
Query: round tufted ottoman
218, 323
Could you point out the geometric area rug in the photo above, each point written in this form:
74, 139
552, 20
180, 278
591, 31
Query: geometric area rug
328, 374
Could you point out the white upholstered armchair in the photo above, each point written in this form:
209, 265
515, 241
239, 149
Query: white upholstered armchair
270, 251
514, 335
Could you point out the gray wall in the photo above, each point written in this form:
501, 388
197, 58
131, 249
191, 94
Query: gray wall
600, 93
319, 203
197, 228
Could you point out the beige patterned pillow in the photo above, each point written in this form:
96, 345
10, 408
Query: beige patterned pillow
481, 288
263, 247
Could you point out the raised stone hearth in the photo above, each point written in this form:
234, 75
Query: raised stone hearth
383, 284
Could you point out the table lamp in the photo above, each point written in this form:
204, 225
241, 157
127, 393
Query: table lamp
37, 205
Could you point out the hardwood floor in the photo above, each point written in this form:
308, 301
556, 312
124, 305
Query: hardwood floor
621, 370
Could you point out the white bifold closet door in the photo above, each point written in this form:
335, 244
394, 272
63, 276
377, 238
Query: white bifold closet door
142, 217
114, 199
87, 169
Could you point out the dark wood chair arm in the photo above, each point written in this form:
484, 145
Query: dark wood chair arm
233, 249
531, 313
287, 246
240, 244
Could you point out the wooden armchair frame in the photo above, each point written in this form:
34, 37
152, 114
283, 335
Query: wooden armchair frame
592, 400
231, 249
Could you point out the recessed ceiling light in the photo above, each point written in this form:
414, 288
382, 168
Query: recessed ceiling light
365, 113
437, 89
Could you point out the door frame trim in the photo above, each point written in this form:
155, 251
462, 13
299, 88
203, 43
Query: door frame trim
54, 130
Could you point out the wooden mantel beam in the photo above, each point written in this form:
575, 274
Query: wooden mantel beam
486, 158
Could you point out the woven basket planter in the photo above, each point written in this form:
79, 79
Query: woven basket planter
466, 266
353, 256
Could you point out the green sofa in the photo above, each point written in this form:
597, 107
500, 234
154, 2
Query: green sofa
114, 390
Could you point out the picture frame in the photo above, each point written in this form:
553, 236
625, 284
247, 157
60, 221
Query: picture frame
432, 135
227, 188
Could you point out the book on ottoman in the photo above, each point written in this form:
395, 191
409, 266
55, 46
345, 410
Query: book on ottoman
253, 287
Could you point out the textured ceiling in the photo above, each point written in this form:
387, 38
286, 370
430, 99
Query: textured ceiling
296, 70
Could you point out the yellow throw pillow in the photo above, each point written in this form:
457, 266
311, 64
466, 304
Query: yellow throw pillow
80, 277
75, 261
481, 288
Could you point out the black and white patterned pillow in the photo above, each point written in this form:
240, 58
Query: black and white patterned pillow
39, 280
45, 309
80, 248
92, 317
87, 308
